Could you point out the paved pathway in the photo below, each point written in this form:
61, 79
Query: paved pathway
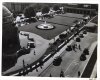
71, 63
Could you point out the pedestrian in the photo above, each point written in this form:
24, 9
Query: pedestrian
76, 46
79, 73
79, 47
61, 74
50, 75
34, 52
36, 70
23, 63
73, 47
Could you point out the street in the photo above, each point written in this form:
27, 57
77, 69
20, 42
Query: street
71, 63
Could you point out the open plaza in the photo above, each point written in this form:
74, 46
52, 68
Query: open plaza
58, 44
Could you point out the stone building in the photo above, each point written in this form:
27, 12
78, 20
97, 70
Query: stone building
10, 40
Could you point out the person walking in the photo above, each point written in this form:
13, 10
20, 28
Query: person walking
62, 74
34, 52
76, 46
23, 63
50, 75
73, 47
79, 73
79, 47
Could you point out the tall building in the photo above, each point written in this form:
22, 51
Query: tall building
10, 40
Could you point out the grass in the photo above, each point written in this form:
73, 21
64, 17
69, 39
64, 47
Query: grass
58, 21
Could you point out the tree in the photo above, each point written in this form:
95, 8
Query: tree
29, 12
45, 9
65, 9
37, 7
56, 7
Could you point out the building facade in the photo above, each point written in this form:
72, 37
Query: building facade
10, 40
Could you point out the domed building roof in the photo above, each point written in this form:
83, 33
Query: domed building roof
6, 12
7, 15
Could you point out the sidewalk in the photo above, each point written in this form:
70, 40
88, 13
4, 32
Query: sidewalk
41, 46
70, 62
38, 58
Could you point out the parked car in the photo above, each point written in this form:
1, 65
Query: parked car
69, 48
31, 45
81, 35
23, 51
83, 57
57, 61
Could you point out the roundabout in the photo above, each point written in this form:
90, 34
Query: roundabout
45, 26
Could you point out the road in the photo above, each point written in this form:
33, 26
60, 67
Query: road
71, 63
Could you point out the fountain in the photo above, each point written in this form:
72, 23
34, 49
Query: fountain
45, 26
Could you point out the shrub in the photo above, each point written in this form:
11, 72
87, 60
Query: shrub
62, 36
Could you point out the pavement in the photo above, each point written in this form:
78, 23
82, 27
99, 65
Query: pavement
71, 63
41, 47
29, 60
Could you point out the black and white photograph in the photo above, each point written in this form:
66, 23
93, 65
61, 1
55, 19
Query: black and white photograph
49, 39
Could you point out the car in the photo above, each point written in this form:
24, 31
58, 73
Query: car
57, 61
82, 57
69, 48
23, 51
31, 45
81, 35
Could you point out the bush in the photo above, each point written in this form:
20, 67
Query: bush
62, 36
31, 20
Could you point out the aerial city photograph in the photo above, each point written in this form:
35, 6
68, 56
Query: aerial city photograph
49, 39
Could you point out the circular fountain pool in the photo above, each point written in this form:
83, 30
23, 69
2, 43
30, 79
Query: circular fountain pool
45, 26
